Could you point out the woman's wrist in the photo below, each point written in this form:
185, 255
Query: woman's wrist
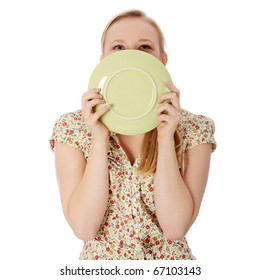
100, 141
165, 141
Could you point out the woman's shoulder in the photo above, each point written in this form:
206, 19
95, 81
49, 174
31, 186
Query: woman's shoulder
193, 120
69, 128
196, 129
70, 119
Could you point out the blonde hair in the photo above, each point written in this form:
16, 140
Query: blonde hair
149, 147
135, 14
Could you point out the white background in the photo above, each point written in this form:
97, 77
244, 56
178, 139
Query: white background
48, 51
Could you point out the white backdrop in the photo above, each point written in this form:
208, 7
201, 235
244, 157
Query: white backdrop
48, 51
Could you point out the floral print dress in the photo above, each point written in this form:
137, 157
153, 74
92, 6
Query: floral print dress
130, 228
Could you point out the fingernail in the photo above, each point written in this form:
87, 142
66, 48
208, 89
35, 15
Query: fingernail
97, 89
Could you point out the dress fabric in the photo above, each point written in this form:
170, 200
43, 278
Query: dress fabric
130, 229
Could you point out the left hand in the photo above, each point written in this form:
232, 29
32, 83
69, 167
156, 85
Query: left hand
169, 112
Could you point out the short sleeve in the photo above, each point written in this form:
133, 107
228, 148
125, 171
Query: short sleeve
197, 129
69, 129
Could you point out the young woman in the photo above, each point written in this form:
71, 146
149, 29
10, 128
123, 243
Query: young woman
133, 197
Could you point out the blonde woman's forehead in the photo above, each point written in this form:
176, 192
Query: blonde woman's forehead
132, 28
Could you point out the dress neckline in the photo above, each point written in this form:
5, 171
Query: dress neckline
127, 161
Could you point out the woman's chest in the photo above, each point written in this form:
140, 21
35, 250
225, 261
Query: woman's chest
130, 189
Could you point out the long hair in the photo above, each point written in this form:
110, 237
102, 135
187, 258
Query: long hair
149, 147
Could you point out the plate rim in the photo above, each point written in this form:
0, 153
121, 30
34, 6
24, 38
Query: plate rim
121, 57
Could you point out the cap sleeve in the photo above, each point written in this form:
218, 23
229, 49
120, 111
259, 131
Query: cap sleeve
69, 129
197, 129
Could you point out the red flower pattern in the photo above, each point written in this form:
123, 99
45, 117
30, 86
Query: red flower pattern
130, 228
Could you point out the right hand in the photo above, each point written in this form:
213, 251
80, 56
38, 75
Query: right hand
91, 118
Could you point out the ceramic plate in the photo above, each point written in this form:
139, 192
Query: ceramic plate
131, 82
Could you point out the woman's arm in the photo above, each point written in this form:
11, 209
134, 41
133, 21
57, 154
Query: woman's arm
83, 187
178, 199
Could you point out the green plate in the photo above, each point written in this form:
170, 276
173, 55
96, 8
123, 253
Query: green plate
131, 82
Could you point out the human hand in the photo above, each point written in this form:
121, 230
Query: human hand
91, 118
169, 112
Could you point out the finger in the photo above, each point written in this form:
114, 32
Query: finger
167, 96
165, 118
101, 112
89, 105
168, 119
168, 109
93, 90
90, 95
175, 101
172, 87
172, 98
165, 108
